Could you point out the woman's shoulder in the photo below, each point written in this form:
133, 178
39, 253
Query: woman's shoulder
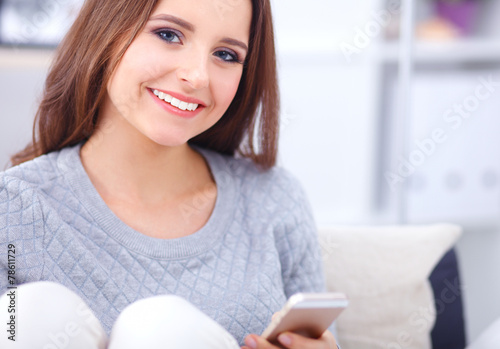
246, 170
31, 175
250, 180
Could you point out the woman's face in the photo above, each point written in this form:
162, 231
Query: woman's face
181, 73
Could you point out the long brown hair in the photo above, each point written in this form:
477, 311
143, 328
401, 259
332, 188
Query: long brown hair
86, 58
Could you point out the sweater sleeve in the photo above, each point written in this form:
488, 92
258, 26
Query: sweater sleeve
21, 233
302, 267
302, 264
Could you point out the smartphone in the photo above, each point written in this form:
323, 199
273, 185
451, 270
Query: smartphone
307, 314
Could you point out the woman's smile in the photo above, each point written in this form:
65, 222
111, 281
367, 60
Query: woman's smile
178, 104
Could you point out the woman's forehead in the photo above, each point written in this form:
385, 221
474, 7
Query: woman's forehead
228, 12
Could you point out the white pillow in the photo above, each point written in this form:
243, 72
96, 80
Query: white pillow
384, 272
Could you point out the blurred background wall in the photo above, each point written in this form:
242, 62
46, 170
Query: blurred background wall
342, 130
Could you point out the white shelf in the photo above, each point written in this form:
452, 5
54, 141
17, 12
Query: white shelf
459, 51
319, 56
25, 58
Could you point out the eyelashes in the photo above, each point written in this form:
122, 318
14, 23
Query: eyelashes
169, 35
172, 36
232, 56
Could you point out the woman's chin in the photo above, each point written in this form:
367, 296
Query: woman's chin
170, 140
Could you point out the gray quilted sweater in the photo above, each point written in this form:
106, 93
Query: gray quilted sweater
258, 247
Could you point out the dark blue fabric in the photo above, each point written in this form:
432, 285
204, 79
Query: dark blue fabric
449, 330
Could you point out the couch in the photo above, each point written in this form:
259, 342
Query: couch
402, 283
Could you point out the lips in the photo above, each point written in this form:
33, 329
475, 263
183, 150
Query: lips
178, 103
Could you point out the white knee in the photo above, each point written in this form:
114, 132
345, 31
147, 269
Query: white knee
47, 315
168, 321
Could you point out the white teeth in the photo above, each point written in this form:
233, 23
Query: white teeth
175, 102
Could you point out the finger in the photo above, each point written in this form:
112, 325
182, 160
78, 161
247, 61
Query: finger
330, 339
256, 342
295, 341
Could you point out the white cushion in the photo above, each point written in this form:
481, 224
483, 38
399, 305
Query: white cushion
384, 272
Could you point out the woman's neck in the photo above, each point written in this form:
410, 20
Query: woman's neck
125, 165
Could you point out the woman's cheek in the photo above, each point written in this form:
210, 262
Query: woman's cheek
230, 88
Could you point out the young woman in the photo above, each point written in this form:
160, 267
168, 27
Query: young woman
152, 173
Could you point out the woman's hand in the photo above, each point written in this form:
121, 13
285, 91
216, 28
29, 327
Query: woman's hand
292, 341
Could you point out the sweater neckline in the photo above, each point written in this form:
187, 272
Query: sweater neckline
70, 164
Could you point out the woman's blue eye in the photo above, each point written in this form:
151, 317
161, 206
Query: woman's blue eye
227, 56
169, 36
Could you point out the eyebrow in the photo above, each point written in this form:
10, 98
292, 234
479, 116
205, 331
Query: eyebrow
188, 26
176, 20
235, 42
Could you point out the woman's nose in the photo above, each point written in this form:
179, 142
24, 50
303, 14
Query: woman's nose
194, 71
